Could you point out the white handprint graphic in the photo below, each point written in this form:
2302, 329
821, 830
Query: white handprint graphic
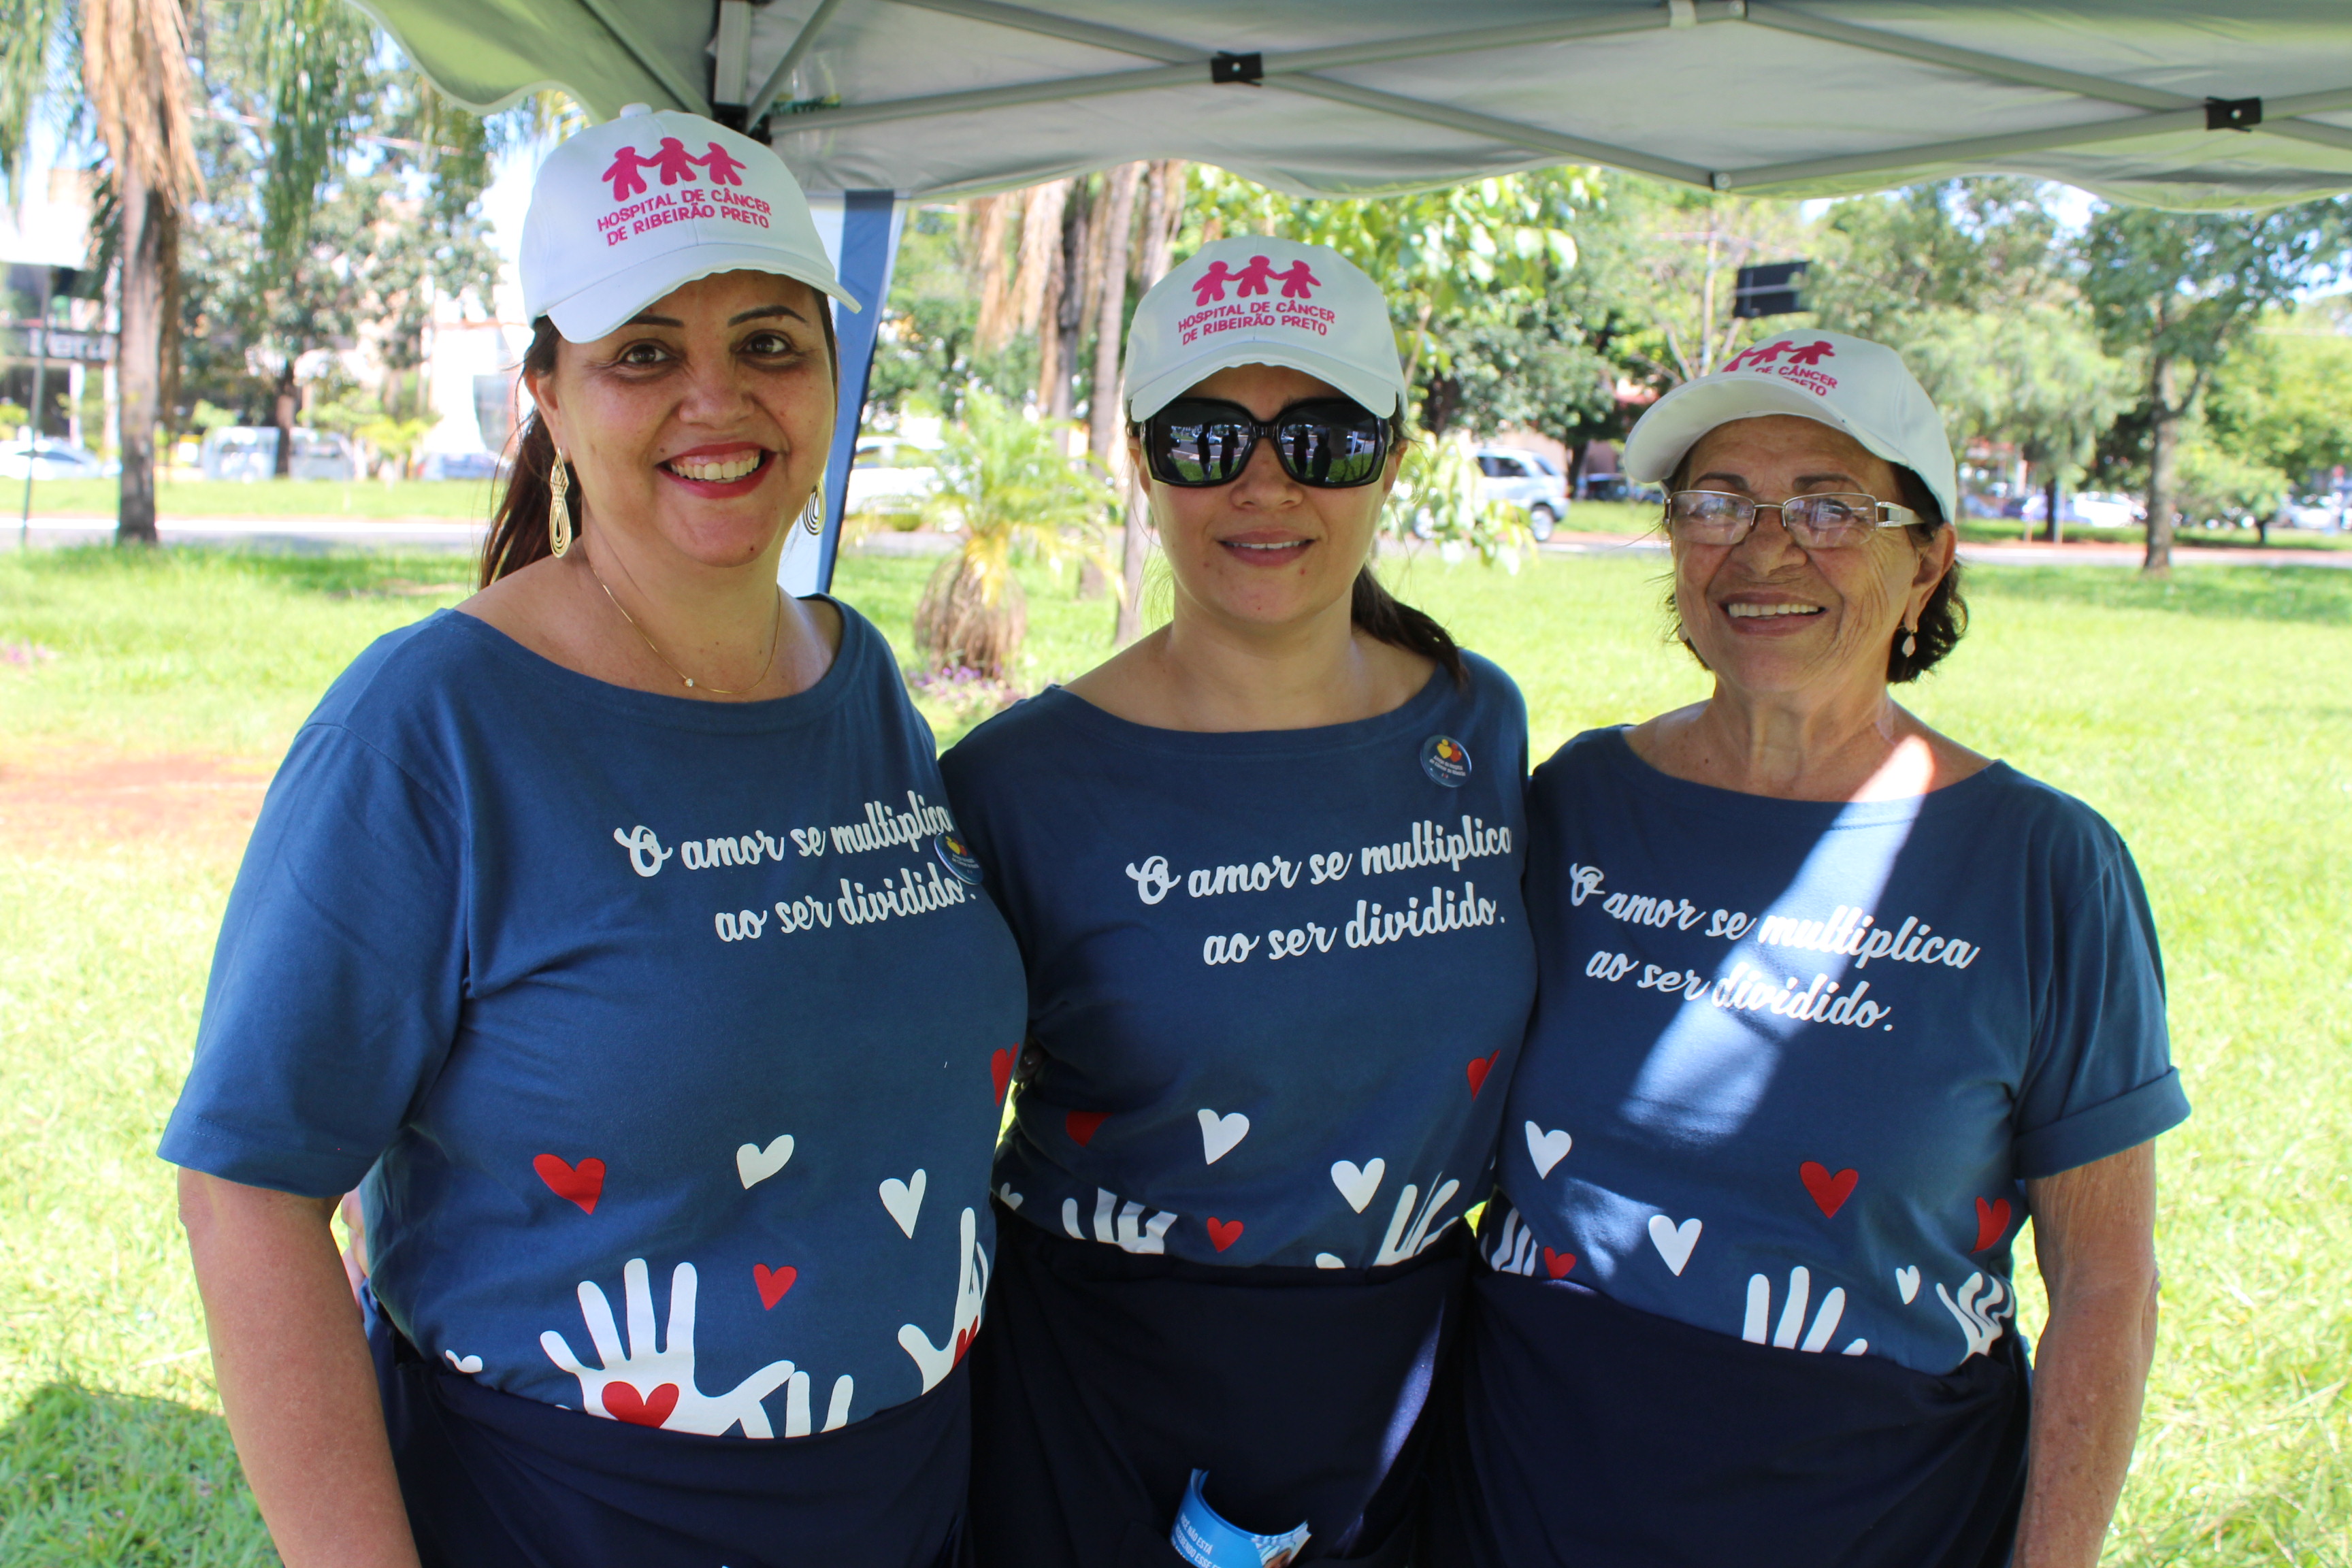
650, 1388
935, 1361
1409, 1234
1979, 1316
1792, 1314
1129, 1233
1513, 1250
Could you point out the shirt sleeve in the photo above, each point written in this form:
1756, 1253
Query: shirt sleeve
2101, 1077
338, 981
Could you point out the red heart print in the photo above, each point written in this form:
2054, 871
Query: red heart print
1993, 1223
964, 1341
1479, 1070
773, 1282
1082, 1125
622, 1404
1223, 1232
583, 1184
1557, 1264
1000, 1067
1829, 1192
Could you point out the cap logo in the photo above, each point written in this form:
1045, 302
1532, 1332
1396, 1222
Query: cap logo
1298, 283
674, 163
676, 166
1799, 366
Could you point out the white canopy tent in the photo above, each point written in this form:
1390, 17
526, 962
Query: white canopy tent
2170, 103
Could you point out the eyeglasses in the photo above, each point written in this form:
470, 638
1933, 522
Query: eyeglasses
1332, 443
1815, 522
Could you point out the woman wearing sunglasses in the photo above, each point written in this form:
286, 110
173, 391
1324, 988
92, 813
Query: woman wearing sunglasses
1831, 1004
1263, 866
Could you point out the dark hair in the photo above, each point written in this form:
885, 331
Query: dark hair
518, 534
1943, 619
1381, 614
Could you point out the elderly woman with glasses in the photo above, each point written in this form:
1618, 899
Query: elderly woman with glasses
1829, 1005
1263, 866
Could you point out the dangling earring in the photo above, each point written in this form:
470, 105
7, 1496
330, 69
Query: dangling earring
559, 506
812, 514
1910, 641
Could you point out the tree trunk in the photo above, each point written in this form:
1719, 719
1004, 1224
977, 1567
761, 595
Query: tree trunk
1070, 317
1104, 424
2163, 463
2055, 495
1164, 209
140, 352
282, 415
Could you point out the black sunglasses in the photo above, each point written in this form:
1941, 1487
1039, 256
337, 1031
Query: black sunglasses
1329, 443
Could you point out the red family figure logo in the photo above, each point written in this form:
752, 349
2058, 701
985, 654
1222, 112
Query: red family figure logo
627, 172
1812, 355
1298, 281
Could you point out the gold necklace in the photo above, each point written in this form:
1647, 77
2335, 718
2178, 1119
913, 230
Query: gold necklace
774, 637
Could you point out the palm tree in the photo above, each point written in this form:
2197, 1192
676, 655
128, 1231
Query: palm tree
1005, 483
134, 72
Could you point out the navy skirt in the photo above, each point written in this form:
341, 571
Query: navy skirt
1583, 1432
1101, 1380
492, 1480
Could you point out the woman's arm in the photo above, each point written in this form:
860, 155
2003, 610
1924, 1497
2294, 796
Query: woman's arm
2094, 1239
295, 1375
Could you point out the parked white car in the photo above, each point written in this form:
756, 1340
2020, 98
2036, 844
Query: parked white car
2092, 509
1526, 479
889, 476
250, 452
51, 461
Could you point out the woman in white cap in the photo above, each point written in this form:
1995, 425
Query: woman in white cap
610, 933
1263, 866
1830, 1005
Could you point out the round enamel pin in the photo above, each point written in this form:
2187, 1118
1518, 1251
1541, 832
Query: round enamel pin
955, 856
1443, 760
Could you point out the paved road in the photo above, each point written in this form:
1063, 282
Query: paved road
321, 534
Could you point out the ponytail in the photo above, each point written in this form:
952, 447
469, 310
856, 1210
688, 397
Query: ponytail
518, 534
1378, 614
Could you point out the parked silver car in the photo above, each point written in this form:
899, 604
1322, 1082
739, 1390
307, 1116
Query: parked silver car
49, 459
250, 452
1526, 479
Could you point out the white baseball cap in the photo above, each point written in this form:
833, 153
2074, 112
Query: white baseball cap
628, 210
1255, 300
1847, 383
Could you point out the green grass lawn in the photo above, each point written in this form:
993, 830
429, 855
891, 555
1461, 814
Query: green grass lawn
2211, 718
460, 500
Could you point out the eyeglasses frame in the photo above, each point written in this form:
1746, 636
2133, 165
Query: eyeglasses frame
1890, 514
1262, 430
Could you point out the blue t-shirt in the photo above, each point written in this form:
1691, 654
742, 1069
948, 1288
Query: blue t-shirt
1271, 973
1793, 1060
669, 1045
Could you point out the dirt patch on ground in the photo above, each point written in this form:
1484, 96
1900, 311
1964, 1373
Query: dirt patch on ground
59, 799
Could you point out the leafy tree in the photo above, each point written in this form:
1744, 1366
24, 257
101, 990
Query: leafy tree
1005, 484
931, 350
2282, 397
344, 218
2179, 290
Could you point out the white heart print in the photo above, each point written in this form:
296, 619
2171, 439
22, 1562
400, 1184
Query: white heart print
1007, 1196
904, 1200
756, 1164
1547, 1149
1674, 1241
1220, 1133
1358, 1186
1907, 1281
469, 1365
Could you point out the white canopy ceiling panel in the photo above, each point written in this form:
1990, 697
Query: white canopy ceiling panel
1785, 97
